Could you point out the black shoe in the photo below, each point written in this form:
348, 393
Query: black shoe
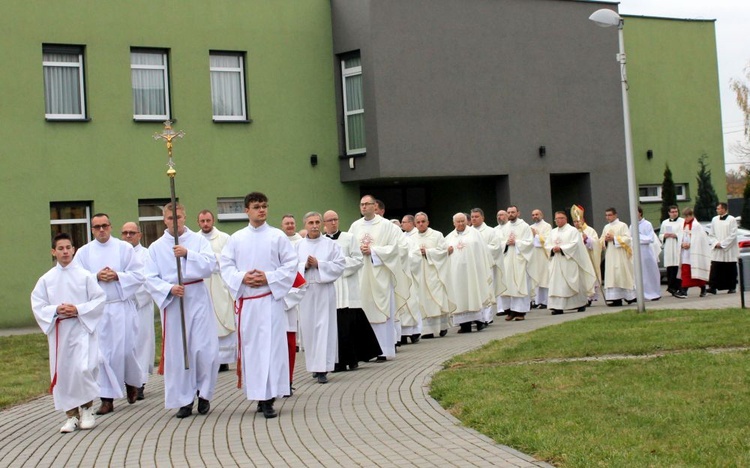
556, 311
541, 306
315, 375
616, 303
582, 309
481, 326
354, 366
703, 292
140, 395
339, 368
404, 339
672, 291
223, 367
630, 301
185, 411
443, 333
428, 336
203, 405
680, 294
731, 291
322, 378
464, 328
266, 407
381, 359
711, 290
588, 304
291, 392
415, 338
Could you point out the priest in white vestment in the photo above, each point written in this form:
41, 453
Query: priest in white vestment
470, 275
428, 259
356, 340
668, 233
489, 236
321, 263
259, 266
650, 249
294, 340
616, 241
68, 304
724, 251
409, 322
539, 262
571, 274
695, 256
594, 249
120, 274
516, 242
222, 301
145, 347
384, 287
197, 262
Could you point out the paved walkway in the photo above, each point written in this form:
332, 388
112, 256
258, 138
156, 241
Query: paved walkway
378, 415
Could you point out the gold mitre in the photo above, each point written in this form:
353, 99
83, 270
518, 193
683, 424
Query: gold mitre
576, 212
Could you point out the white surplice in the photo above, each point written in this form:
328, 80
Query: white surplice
261, 318
118, 329
539, 262
649, 262
489, 235
470, 279
222, 302
145, 343
384, 287
571, 275
724, 232
180, 384
73, 346
670, 246
317, 310
430, 275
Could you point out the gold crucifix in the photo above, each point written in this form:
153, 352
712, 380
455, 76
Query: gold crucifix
168, 135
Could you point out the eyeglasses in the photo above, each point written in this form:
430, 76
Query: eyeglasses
98, 227
129, 233
366, 203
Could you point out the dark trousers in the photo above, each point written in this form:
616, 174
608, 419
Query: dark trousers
673, 282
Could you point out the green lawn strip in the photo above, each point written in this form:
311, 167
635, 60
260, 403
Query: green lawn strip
626, 332
683, 409
25, 368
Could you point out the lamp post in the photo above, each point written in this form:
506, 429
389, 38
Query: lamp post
607, 18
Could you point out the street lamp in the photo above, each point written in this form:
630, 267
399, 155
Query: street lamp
607, 18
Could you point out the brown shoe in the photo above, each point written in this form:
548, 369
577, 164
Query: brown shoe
132, 392
519, 318
106, 407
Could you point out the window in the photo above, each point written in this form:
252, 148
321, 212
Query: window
150, 78
151, 219
652, 193
63, 82
228, 86
231, 208
354, 112
72, 218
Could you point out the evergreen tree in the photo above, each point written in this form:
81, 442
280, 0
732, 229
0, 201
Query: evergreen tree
745, 221
705, 205
668, 194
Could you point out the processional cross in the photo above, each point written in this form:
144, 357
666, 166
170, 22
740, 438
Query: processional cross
168, 135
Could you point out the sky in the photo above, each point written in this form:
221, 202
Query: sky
732, 44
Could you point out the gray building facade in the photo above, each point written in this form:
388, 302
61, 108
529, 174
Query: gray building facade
480, 103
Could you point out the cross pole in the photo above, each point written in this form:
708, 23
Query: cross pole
168, 135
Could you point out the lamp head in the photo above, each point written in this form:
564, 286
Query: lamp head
605, 18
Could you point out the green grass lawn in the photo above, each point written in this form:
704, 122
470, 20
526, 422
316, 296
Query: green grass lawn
687, 407
24, 366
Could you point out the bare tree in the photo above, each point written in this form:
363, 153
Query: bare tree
741, 90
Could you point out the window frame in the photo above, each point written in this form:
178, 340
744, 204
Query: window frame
146, 233
71, 50
243, 85
165, 76
222, 215
85, 221
347, 73
657, 198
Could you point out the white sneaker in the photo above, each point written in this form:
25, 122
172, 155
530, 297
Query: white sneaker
88, 421
70, 425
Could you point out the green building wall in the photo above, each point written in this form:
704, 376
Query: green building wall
674, 103
113, 161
